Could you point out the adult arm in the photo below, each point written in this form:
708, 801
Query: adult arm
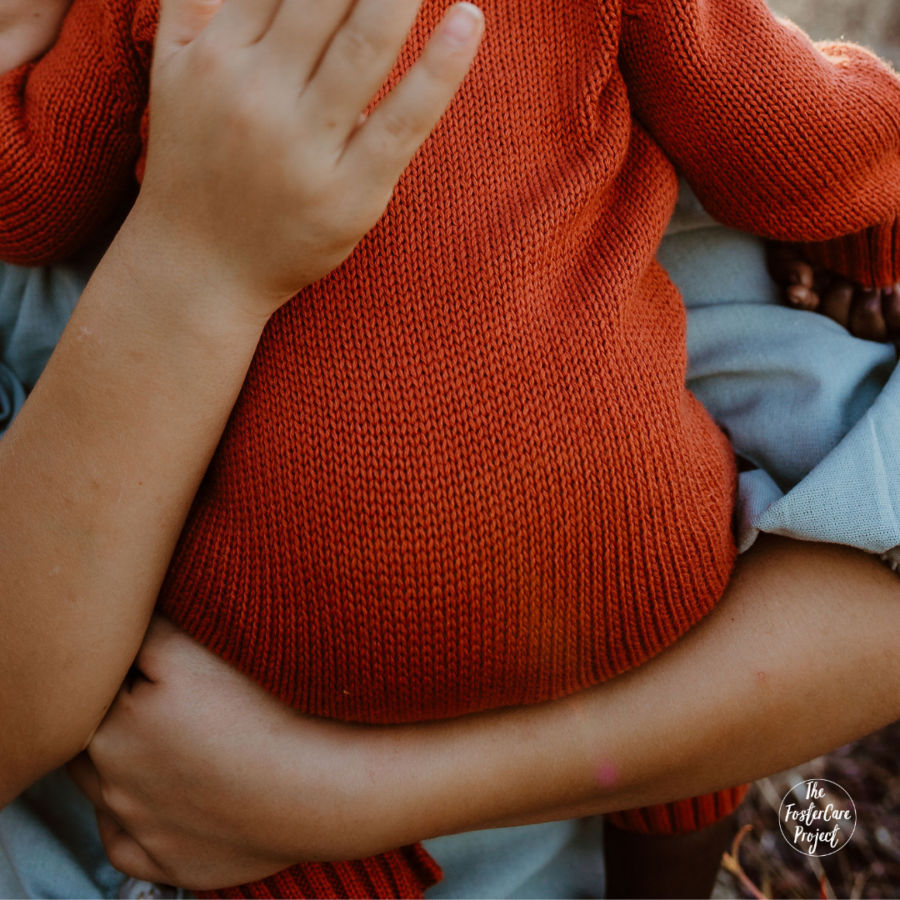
799, 658
778, 136
98, 473
101, 465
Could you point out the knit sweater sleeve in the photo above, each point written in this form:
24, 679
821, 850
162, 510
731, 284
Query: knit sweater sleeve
778, 136
70, 134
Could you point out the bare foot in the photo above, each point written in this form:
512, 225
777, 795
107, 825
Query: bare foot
873, 315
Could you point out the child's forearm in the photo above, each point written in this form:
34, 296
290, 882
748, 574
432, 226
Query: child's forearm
99, 471
777, 136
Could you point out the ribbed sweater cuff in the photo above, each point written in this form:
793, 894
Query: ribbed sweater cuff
404, 873
681, 816
871, 257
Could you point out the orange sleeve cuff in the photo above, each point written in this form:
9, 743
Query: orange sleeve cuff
871, 256
681, 816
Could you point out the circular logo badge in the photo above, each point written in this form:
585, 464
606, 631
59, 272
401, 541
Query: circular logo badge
817, 817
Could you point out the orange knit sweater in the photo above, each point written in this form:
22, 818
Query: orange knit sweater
464, 471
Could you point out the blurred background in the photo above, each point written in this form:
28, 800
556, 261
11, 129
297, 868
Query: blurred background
874, 23
869, 866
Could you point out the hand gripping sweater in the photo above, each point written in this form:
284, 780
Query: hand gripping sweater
464, 471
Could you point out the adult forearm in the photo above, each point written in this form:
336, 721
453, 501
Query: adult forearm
799, 658
98, 473
262, 176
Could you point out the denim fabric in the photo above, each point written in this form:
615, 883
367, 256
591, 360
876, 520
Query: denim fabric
49, 846
815, 409
553, 860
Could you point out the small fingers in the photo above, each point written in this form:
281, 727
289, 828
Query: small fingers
390, 137
801, 296
866, 318
787, 267
300, 33
872, 315
890, 308
244, 22
182, 21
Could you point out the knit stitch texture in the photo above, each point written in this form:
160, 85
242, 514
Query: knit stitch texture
464, 472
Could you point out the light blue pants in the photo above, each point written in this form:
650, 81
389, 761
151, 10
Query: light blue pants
817, 410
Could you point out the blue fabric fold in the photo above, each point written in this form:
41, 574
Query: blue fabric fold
35, 305
815, 409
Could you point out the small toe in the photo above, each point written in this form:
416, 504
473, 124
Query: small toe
802, 297
837, 302
890, 308
866, 319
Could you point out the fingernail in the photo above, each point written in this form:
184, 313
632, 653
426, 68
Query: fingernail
463, 24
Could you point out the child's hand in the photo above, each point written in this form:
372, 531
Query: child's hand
28, 28
261, 166
873, 315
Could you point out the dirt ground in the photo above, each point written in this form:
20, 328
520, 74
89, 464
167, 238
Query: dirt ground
869, 867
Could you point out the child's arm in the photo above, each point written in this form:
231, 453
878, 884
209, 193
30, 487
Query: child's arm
28, 28
102, 464
777, 136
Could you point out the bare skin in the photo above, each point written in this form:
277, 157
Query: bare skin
871, 314
100, 467
799, 658
31, 30
28, 29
